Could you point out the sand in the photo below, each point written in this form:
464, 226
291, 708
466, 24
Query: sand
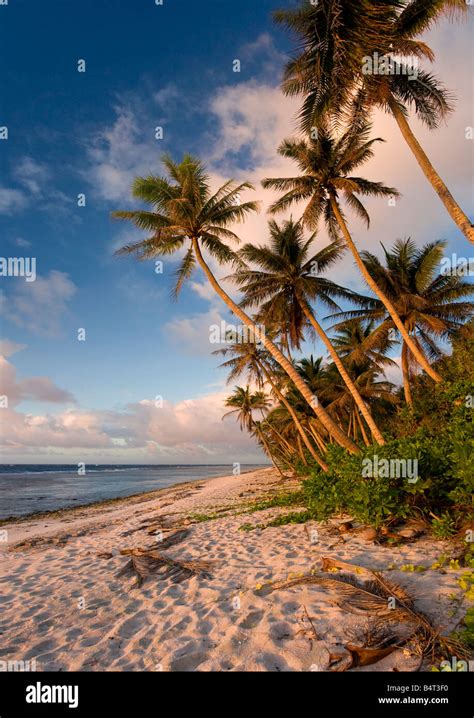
65, 606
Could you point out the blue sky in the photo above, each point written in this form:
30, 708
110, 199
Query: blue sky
91, 133
54, 114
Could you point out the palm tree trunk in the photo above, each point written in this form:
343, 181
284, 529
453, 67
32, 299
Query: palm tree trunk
300, 447
345, 376
290, 450
313, 402
268, 450
362, 429
296, 421
286, 463
286, 449
406, 375
318, 439
457, 214
419, 356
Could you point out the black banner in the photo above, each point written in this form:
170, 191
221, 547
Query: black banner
366, 694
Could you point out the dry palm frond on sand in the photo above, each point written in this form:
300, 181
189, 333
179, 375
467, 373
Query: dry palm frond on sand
146, 562
374, 641
347, 593
429, 640
369, 592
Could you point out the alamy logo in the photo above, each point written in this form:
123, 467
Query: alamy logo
375, 468
457, 266
390, 65
231, 334
18, 267
17, 666
39, 693
456, 666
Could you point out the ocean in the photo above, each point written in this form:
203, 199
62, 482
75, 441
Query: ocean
29, 488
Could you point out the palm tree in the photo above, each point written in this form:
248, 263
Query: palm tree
326, 165
288, 281
355, 343
428, 302
366, 358
185, 215
244, 405
254, 361
338, 42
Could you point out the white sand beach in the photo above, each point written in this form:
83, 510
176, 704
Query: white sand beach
66, 606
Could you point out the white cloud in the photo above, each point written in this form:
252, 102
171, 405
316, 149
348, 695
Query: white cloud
34, 178
31, 174
191, 430
191, 334
40, 305
393, 372
205, 291
37, 388
252, 118
263, 50
11, 200
167, 96
118, 154
8, 347
23, 243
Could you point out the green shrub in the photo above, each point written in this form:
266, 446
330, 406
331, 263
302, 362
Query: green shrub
441, 486
444, 526
466, 635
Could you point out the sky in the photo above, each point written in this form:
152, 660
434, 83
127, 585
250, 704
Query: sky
143, 387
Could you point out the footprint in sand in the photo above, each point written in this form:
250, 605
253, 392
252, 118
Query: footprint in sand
131, 626
189, 662
174, 592
280, 630
176, 630
252, 619
291, 606
159, 604
204, 627
273, 662
39, 649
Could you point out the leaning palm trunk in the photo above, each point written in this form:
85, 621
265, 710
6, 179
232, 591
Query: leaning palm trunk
296, 421
419, 356
362, 429
285, 446
318, 439
457, 214
268, 450
287, 451
300, 450
354, 426
320, 412
344, 375
406, 375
